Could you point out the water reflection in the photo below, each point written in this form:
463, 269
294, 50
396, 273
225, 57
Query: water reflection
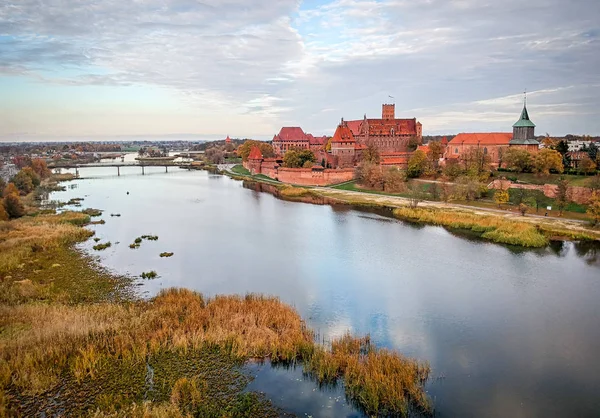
508, 332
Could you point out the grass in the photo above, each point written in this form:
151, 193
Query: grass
100, 247
165, 254
150, 237
532, 178
149, 275
292, 192
92, 212
239, 169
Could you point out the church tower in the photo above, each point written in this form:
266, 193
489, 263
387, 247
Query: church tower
524, 128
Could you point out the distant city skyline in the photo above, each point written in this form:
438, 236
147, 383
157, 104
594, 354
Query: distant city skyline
72, 70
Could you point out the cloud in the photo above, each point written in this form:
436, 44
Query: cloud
287, 62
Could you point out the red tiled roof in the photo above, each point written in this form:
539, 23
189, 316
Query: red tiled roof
354, 126
360, 146
343, 134
255, 153
316, 140
291, 133
424, 148
228, 140
394, 160
444, 141
483, 138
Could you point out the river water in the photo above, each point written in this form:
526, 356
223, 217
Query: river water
508, 332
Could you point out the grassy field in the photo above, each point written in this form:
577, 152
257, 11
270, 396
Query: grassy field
532, 178
239, 169
75, 338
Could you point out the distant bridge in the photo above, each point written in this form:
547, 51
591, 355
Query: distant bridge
142, 164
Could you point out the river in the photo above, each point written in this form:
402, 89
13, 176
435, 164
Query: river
508, 332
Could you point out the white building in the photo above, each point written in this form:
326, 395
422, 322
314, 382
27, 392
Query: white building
7, 171
577, 145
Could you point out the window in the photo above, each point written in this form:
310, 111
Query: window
456, 150
484, 150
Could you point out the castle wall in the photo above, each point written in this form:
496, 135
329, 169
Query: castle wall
580, 195
310, 177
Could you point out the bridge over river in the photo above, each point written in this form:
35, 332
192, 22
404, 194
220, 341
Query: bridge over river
142, 164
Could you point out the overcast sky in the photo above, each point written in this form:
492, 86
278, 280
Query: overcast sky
103, 68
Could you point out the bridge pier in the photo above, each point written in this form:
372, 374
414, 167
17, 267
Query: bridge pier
143, 171
76, 172
118, 171
166, 169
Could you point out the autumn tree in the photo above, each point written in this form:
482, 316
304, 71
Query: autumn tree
369, 175
371, 154
594, 182
501, 197
517, 159
562, 198
40, 167
394, 180
434, 153
547, 159
413, 143
215, 155
416, 194
452, 169
23, 182
475, 162
2, 186
594, 208
468, 188
296, 158
586, 165
10, 189
13, 206
265, 148
416, 164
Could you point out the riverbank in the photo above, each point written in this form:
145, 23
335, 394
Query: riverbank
499, 226
76, 339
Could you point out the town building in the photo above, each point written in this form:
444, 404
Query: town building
493, 144
8, 171
388, 134
227, 140
578, 145
294, 137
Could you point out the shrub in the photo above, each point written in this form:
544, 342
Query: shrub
13, 206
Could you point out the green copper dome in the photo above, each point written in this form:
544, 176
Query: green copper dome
524, 121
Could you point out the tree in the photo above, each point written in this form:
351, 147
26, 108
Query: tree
468, 188
523, 208
586, 165
435, 152
594, 182
10, 189
296, 158
475, 162
416, 164
415, 194
394, 180
215, 155
452, 169
3, 214
23, 182
413, 143
501, 197
35, 179
547, 159
562, 147
561, 198
594, 208
244, 149
370, 175
13, 206
517, 159
371, 154
2, 186
40, 167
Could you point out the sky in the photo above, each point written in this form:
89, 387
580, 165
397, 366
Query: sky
104, 69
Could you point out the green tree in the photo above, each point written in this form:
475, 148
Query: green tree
562, 147
452, 169
547, 159
244, 149
501, 197
413, 143
517, 159
562, 197
296, 158
468, 188
416, 164
475, 162
23, 182
594, 208
13, 206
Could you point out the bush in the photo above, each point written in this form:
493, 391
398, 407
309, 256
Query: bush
13, 206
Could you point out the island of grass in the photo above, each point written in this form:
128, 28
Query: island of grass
100, 247
77, 341
166, 254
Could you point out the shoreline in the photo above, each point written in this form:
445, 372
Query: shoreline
68, 327
501, 227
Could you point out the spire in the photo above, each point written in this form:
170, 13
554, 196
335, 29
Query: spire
524, 120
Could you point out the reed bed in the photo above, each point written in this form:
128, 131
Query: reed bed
494, 228
20, 238
82, 340
292, 192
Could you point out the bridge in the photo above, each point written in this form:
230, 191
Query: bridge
165, 164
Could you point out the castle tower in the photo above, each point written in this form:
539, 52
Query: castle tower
388, 111
524, 128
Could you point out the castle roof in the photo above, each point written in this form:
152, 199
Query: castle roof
385, 126
291, 133
482, 138
354, 126
343, 134
255, 153
524, 121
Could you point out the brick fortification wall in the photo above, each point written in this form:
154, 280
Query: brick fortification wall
580, 195
310, 177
